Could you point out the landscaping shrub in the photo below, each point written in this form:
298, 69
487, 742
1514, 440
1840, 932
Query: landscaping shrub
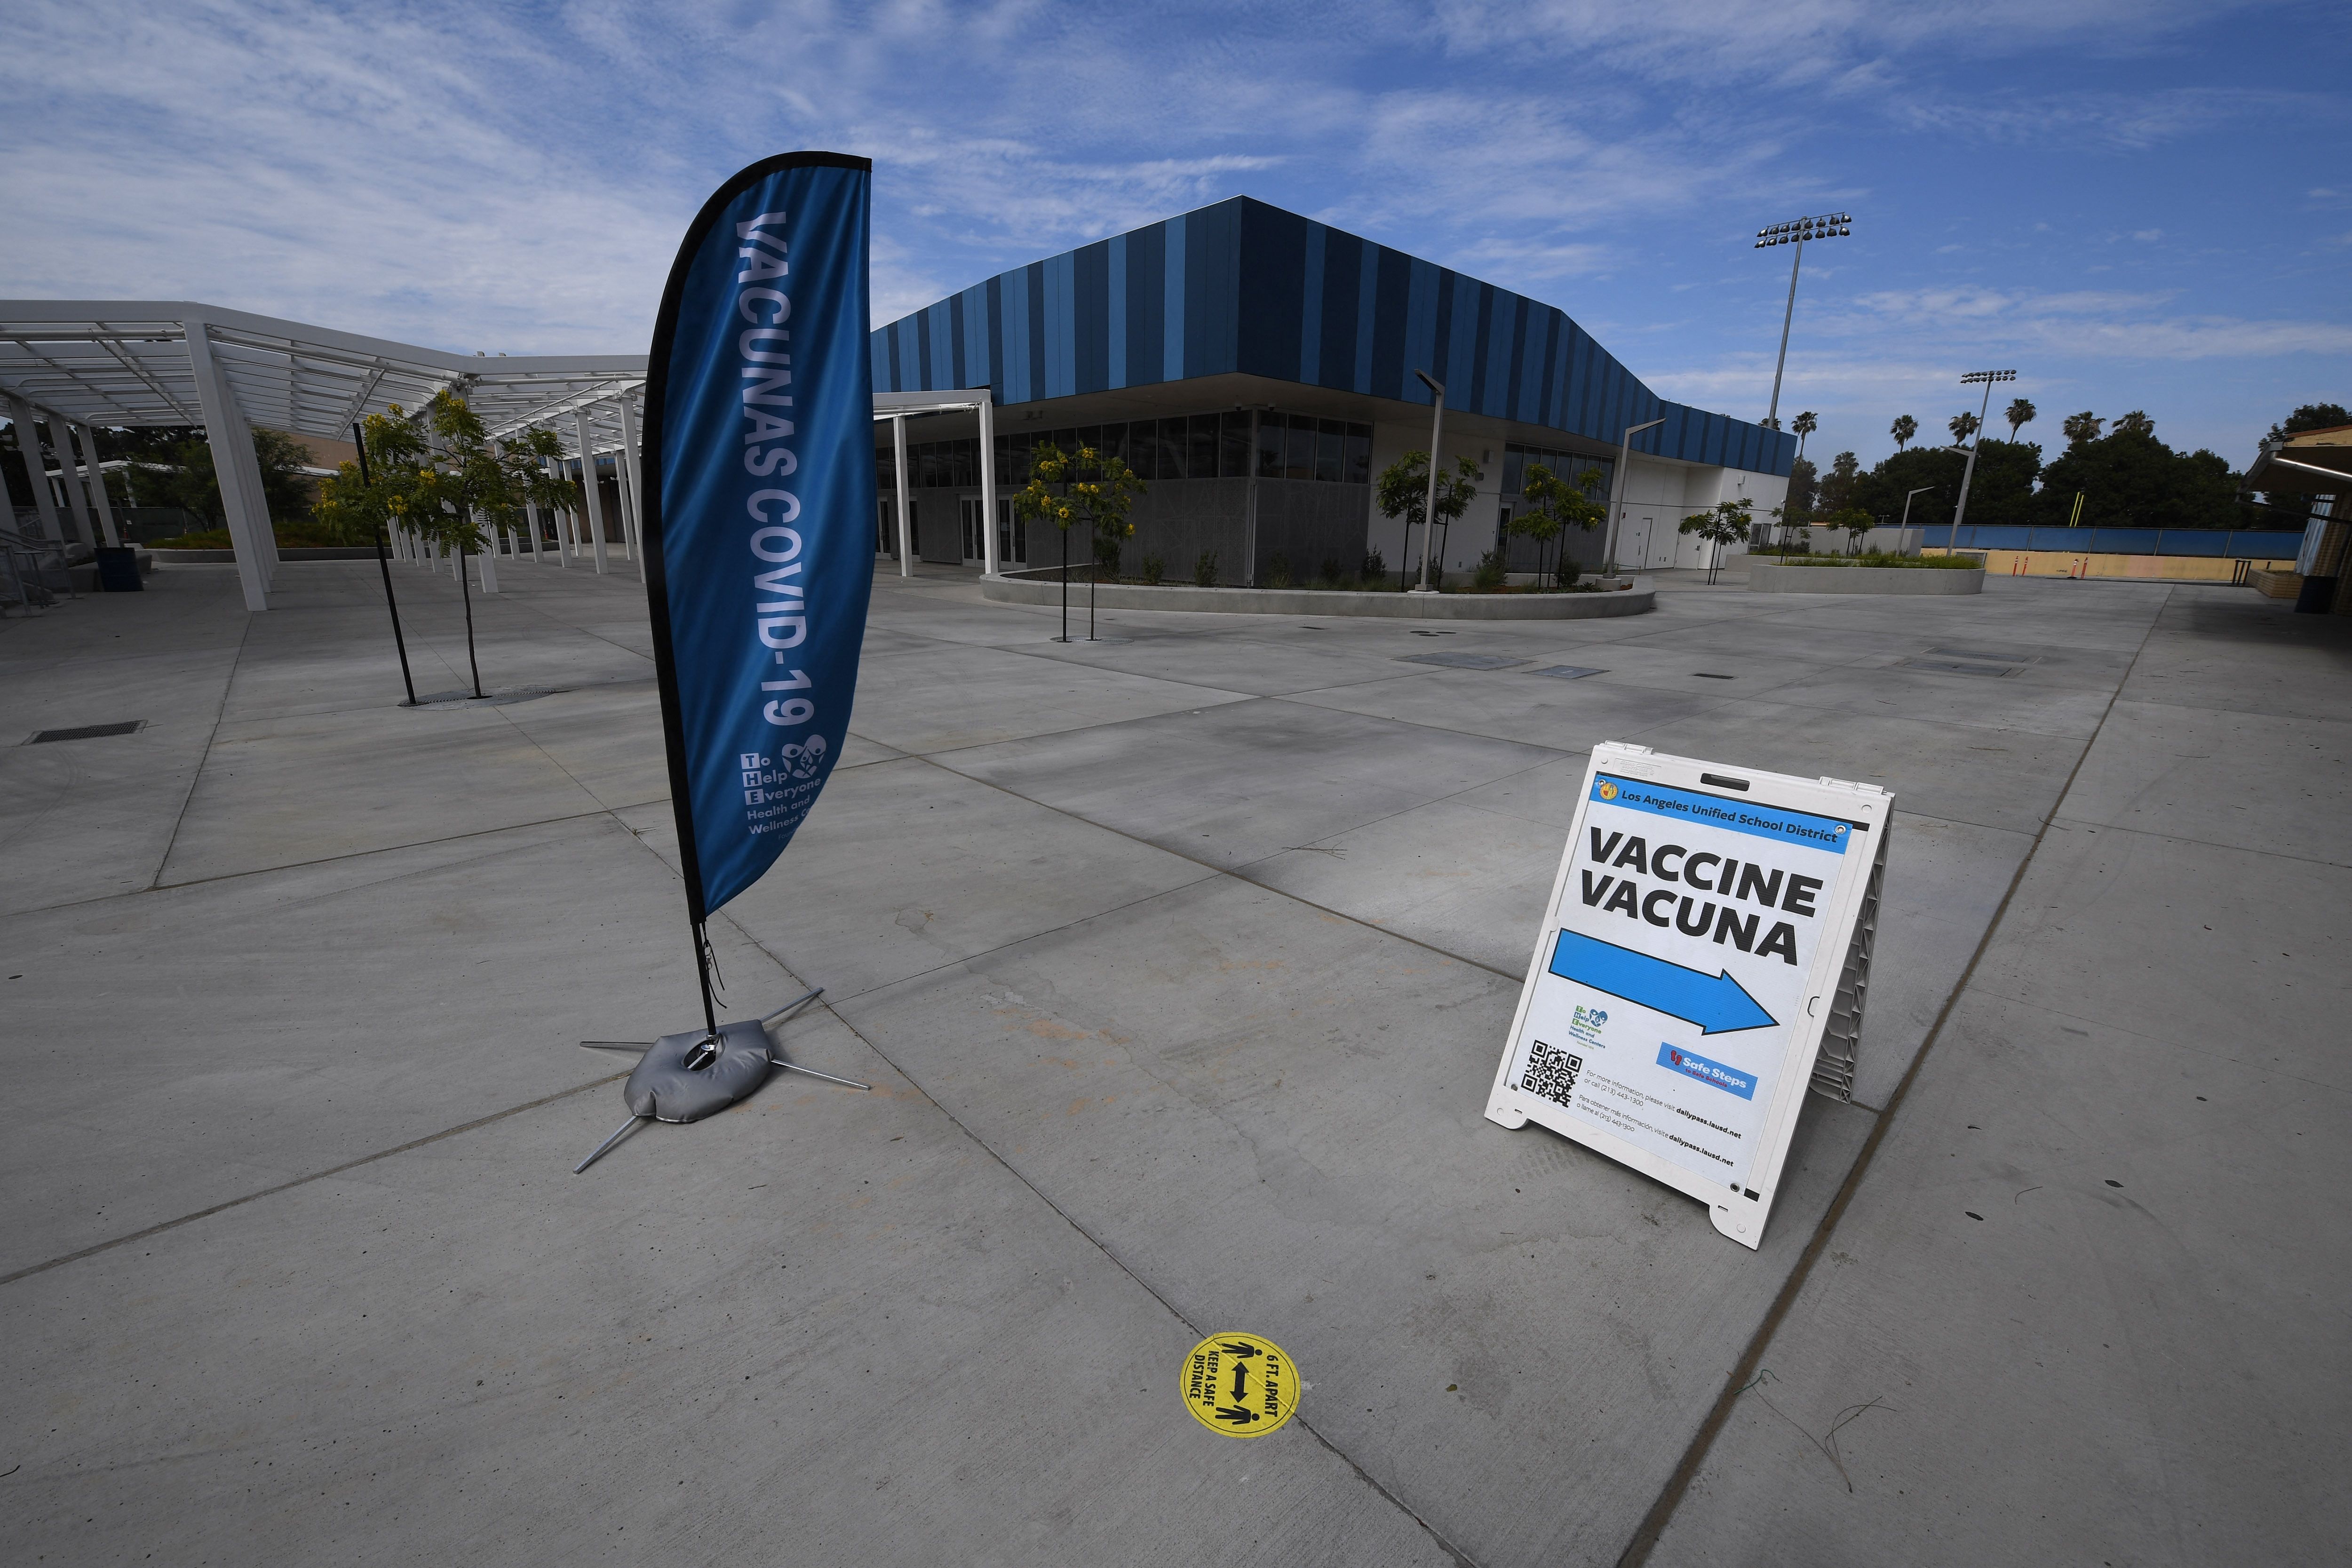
1277, 570
1204, 568
1491, 570
1153, 569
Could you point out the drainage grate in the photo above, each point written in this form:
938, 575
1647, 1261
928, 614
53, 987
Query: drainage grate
1568, 671
1419, 633
1463, 660
87, 733
1710, 674
1989, 656
1955, 667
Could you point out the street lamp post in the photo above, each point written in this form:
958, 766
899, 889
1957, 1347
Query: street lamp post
1988, 379
1923, 489
1429, 509
1827, 227
1617, 497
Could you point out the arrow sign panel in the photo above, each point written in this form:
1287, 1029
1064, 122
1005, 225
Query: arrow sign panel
1716, 1003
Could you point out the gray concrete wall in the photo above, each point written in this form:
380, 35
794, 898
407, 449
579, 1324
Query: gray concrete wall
1178, 519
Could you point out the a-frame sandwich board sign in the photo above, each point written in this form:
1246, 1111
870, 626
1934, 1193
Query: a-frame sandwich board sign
1706, 923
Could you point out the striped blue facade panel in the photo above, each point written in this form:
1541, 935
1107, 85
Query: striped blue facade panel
1310, 309
1241, 286
1172, 301
1116, 294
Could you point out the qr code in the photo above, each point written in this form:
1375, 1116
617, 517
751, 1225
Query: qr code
1550, 1073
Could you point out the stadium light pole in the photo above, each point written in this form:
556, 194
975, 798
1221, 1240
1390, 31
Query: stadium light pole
1829, 226
1988, 379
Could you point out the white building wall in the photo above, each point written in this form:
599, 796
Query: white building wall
1658, 496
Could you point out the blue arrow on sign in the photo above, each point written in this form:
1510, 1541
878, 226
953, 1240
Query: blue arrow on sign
1718, 1004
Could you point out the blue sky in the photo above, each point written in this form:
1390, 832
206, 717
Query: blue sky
2137, 204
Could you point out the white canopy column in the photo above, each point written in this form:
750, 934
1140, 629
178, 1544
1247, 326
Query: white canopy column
588, 483
97, 487
37, 468
225, 431
898, 469
633, 489
61, 438
488, 556
991, 564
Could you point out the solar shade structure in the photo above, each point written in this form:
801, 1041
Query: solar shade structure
129, 362
1244, 288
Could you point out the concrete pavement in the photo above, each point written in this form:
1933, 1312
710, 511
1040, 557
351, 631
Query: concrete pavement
1181, 962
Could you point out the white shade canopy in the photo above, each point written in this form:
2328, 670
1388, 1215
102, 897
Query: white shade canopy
128, 363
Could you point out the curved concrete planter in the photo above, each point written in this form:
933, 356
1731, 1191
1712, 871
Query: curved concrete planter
1764, 579
1632, 601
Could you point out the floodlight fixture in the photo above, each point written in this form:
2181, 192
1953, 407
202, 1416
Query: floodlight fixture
1826, 226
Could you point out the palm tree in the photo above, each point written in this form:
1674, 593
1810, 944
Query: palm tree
2136, 422
2020, 413
1804, 425
1903, 429
1963, 427
2083, 426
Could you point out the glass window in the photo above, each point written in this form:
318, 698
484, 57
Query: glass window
1298, 453
1330, 449
1143, 448
1514, 464
1359, 454
1233, 443
1200, 454
1167, 457
1090, 438
1114, 443
1270, 429
1068, 440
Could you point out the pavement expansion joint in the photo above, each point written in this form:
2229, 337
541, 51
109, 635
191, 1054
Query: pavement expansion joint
1654, 1524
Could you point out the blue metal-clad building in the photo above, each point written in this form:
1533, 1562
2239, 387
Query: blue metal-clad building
1241, 346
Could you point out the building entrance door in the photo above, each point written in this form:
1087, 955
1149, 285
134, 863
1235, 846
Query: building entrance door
975, 546
1011, 532
885, 526
1636, 552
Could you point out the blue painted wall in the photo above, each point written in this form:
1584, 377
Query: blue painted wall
1241, 286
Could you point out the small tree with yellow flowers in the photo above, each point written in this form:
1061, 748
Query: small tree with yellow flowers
1081, 487
438, 474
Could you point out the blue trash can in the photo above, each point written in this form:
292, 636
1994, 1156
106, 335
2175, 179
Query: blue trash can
118, 570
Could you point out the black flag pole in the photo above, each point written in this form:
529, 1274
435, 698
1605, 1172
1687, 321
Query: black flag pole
383, 565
